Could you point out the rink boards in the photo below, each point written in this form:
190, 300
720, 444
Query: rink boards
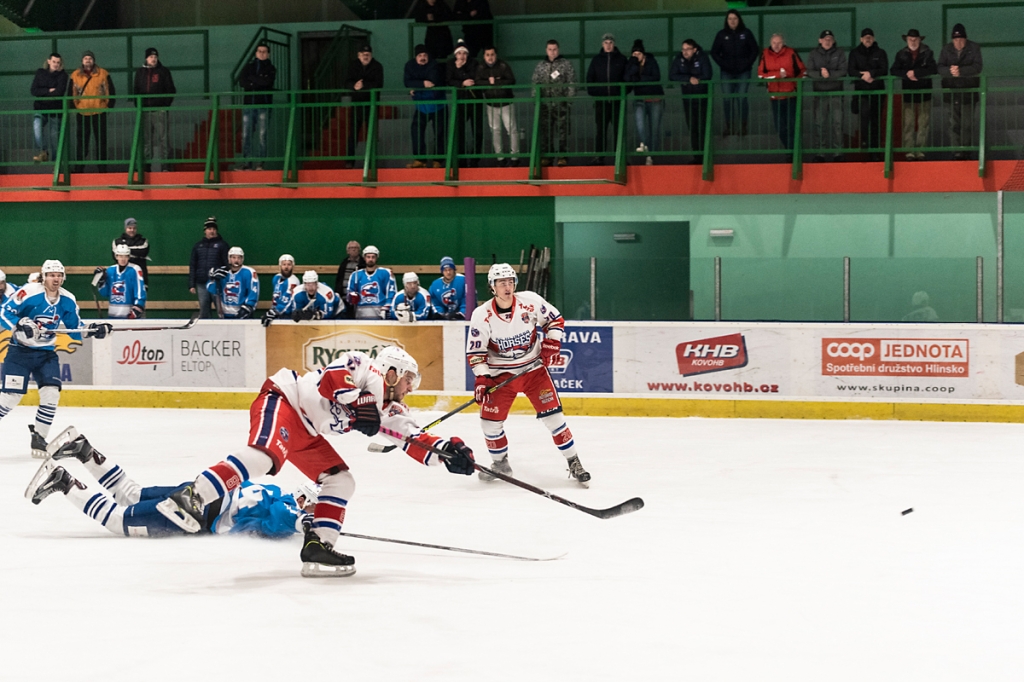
771, 370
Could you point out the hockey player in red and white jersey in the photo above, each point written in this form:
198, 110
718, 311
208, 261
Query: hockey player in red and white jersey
286, 423
503, 341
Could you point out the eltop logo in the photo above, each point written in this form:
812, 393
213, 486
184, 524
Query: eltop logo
137, 354
711, 355
319, 352
895, 357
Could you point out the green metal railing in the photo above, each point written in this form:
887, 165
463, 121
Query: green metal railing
280, 44
307, 130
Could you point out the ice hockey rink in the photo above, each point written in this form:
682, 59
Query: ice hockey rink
767, 550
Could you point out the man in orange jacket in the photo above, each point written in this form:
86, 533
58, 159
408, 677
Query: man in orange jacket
93, 89
779, 63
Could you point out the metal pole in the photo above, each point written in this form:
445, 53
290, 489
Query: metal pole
718, 288
846, 288
593, 288
999, 256
981, 284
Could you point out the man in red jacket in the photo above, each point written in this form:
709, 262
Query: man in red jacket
780, 63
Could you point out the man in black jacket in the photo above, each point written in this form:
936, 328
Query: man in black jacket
209, 254
608, 66
365, 74
642, 68
497, 74
826, 65
460, 72
154, 79
692, 68
869, 63
257, 79
138, 245
353, 261
48, 86
735, 51
914, 64
960, 65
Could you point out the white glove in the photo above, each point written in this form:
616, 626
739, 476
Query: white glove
403, 313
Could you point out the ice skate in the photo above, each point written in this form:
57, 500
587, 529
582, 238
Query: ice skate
185, 500
38, 444
48, 480
176, 515
577, 471
501, 466
60, 440
319, 560
79, 448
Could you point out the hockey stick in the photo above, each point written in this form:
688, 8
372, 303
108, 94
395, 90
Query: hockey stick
188, 325
451, 549
377, 447
629, 506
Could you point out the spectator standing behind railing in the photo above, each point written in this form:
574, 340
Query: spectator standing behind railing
692, 68
48, 86
649, 104
208, 254
138, 245
868, 62
93, 90
438, 39
448, 293
554, 116
960, 65
364, 74
257, 79
735, 51
153, 78
425, 75
353, 261
826, 67
778, 63
460, 73
498, 75
914, 64
608, 66
478, 36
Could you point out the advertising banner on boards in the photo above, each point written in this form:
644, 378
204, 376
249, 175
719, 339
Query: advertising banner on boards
204, 356
75, 358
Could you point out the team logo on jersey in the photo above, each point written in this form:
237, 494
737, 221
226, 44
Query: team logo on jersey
711, 355
448, 297
525, 317
369, 293
232, 291
118, 290
284, 434
474, 331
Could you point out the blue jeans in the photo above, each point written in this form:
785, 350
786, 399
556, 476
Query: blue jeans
784, 113
255, 120
736, 109
49, 125
648, 122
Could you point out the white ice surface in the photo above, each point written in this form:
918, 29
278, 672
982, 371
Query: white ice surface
768, 550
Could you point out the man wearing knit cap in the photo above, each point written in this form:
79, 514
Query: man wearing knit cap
460, 73
642, 68
137, 244
93, 90
960, 66
364, 74
448, 293
425, 76
153, 78
608, 66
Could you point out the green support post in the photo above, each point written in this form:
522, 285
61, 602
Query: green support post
798, 142
535, 136
889, 103
136, 162
61, 167
708, 172
212, 172
981, 134
290, 172
451, 160
370, 161
620, 139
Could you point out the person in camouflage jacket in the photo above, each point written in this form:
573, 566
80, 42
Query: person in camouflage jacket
557, 74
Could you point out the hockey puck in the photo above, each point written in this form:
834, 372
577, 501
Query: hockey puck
906, 511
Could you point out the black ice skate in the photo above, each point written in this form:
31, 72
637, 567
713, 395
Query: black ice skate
501, 466
577, 471
80, 449
187, 501
38, 443
319, 560
54, 480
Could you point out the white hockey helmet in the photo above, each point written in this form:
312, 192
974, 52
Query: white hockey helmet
236, 251
310, 276
403, 363
3, 276
501, 271
286, 257
122, 250
52, 266
34, 277
410, 277
372, 249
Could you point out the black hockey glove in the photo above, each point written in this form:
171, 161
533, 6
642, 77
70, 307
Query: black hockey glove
27, 328
461, 459
219, 273
302, 314
99, 330
269, 317
307, 523
136, 312
99, 277
245, 312
367, 419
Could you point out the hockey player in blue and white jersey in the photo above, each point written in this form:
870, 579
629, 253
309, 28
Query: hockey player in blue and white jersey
283, 288
448, 293
6, 288
124, 507
314, 301
33, 314
412, 304
236, 287
371, 289
123, 285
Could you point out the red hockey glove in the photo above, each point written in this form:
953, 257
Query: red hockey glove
353, 298
460, 460
549, 350
483, 384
